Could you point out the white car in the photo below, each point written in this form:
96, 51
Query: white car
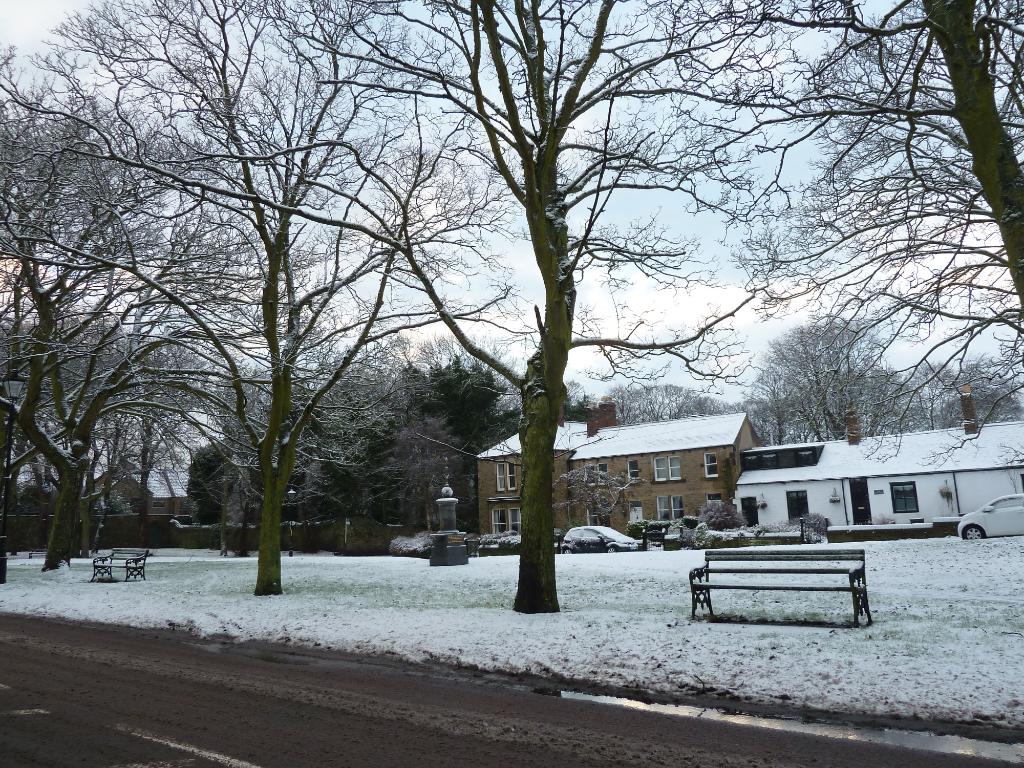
1000, 517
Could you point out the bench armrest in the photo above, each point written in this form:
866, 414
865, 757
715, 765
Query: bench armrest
101, 560
135, 560
699, 574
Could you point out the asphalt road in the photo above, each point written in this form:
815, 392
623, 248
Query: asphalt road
73, 695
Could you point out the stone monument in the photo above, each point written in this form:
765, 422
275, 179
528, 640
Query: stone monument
449, 543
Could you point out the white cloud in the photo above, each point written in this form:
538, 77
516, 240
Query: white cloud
26, 25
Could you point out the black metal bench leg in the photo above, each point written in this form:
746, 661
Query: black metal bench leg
701, 598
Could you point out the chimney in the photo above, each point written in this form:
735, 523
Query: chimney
969, 409
852, 428
601, 417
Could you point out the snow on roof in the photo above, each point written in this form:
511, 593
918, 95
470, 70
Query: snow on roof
995, 446
168, 484
635, 439
569, 436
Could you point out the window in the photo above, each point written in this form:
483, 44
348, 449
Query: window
158, 503
513, 520
499, 521
667, 468
633, 466
677, 507
603, 468
806, 457
664, 510
769, 461
636, 511
710, 465
904, 497
506, 476
713, 496
670, 507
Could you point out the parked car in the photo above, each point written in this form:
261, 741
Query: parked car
1000, 517
597, 538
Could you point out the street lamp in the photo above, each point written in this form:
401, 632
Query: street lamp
291, 523
11, 388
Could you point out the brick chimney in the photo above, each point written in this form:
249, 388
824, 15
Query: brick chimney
970, 410
852, 428
602, 416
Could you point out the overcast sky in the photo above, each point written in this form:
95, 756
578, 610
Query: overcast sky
26, 23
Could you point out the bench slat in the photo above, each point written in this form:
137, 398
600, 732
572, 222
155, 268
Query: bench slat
718, 556
778, 587
844, 571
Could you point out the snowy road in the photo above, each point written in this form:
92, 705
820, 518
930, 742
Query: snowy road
113, 698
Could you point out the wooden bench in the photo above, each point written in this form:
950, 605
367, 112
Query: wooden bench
822, 561
132, 560
33, 552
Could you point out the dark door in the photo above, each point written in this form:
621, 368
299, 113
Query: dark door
860, 501
796, 502
749, 506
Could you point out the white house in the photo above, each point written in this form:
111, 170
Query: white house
912, 477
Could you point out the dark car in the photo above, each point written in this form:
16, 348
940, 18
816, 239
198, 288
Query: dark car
597, 538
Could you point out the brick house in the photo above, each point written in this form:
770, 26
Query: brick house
662, 470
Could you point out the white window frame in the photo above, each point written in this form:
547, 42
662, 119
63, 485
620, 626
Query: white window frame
709, 464
515, 520
499, 520
713, 497
506, 476
664, 508
672, 469
677, 507
603, 467
633, 469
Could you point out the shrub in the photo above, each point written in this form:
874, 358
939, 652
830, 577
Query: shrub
719, 516
636, 528
501, 540
816, 524
690, 522
411, 546
883, 520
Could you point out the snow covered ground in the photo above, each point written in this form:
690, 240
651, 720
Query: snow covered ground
947, 643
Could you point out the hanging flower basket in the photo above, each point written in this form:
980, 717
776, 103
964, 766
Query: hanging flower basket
946, 492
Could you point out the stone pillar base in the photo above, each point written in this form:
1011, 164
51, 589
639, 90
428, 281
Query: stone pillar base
449, 549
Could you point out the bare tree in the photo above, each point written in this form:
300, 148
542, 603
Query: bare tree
914, 218
812, 376
640, 403
79, 331
571, 106
306, 194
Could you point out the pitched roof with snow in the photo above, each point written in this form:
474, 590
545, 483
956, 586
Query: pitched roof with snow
941, 450
569, 436
635, 439
168, 484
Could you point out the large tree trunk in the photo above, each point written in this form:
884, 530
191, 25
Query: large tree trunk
268, 570
537, 592
65, 513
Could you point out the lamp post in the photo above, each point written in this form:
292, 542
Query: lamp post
291, 523
11, 388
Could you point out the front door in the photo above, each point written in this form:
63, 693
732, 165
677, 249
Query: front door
749, 506
796, 502
861, 503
